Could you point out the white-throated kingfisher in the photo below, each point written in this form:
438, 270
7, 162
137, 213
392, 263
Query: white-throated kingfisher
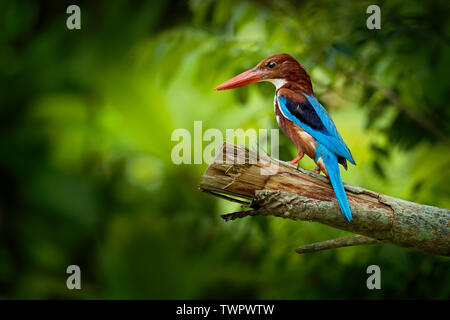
302, 118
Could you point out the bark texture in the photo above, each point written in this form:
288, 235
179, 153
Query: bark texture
279, 189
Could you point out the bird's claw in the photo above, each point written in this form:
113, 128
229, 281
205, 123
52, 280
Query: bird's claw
295, 161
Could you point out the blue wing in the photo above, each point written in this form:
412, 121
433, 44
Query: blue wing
314, 119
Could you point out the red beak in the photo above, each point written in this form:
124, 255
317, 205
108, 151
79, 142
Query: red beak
241, 80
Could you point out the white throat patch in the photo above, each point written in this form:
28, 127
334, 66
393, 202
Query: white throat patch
278, 83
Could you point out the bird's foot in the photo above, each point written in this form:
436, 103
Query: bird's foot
297, 159
317, 170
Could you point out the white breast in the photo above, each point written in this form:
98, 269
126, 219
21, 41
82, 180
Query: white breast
275, 103
278, 83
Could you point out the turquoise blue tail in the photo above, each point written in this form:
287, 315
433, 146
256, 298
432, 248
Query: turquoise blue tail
331, 163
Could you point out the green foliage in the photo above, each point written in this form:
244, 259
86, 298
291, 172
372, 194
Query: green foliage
86, 123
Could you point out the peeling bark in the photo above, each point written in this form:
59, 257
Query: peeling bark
277, 188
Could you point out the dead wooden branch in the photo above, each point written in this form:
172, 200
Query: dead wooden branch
278, 189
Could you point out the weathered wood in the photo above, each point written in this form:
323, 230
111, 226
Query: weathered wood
279, 189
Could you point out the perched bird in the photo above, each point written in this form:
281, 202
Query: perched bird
302, 118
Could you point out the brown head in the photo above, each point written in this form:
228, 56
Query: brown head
278, 69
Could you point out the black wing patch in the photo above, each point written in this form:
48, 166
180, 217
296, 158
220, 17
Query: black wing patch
342, 161
305, 112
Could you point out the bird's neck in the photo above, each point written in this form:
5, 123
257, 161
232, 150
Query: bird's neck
278, 83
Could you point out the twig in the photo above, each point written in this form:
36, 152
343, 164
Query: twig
225, 197
237, 215
336, 243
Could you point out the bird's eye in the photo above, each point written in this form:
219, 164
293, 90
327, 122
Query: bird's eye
271, 64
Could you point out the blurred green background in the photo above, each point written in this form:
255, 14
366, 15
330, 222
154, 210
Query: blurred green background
86, 122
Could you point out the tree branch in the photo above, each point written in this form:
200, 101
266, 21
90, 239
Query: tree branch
336, 243
279, 189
